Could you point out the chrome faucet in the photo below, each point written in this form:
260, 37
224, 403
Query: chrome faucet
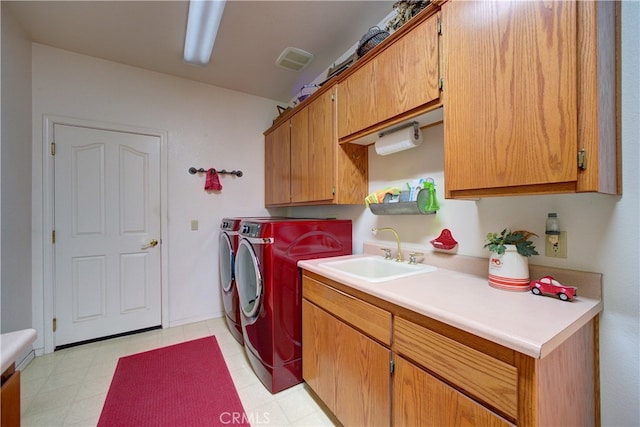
375, 230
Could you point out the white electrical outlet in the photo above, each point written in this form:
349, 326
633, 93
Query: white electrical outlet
194, 225
556, 245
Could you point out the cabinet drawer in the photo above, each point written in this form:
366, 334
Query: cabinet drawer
489, 380
420, 399
371, 320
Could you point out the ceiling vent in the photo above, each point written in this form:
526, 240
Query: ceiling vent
294, 59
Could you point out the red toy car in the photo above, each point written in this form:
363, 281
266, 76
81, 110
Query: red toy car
550, 286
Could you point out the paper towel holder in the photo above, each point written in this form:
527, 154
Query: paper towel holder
416, 129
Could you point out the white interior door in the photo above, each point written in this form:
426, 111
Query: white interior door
107, 219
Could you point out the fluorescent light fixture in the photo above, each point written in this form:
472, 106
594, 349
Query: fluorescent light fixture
202, 28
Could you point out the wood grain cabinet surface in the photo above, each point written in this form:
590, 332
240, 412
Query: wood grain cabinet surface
441, 375
529, 97
10, 398
399, 81
315, 169
277, 170
347, 369
420, 399
529, 92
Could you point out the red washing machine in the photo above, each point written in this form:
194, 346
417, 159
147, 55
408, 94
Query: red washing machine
269, 286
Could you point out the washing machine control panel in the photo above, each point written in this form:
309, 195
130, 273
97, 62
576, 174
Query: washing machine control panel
250, 229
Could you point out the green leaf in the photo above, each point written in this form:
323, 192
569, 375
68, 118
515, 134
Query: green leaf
526, 248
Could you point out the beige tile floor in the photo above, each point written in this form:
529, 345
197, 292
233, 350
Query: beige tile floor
68, 387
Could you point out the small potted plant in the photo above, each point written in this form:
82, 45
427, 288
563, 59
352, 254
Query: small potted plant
508, 263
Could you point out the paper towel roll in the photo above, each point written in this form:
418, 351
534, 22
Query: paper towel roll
398, 141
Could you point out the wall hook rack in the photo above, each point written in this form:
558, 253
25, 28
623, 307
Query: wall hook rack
194, 171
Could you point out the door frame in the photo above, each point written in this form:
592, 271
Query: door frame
48, 183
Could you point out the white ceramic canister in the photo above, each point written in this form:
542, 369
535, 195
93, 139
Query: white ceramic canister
509, 271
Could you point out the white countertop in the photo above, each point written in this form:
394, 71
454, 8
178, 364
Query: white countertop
12, 344
530, 324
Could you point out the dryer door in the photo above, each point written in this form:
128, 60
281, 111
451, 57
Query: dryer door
225, 261
248, 279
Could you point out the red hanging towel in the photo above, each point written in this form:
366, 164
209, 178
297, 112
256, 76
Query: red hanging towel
213, 182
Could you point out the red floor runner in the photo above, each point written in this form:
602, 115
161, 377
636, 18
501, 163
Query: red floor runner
186, 384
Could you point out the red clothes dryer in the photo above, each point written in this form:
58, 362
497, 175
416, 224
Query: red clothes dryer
269, 286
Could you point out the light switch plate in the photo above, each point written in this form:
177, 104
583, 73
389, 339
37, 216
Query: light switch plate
558, 250
194, 225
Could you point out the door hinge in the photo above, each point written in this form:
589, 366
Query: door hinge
53, 148
440, 83
333, 97
392, 366
333, 190
582, 159
53, 236
54, 325
439, 26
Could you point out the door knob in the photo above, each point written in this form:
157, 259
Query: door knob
152, 244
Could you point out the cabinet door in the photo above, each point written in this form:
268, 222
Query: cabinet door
510, 107
300, 177
357, 101
10, 400
277, 166
352, 173
407, 73
322, 142
420, 399
346, 369
319, 331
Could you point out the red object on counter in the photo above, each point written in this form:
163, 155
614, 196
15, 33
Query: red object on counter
550, 286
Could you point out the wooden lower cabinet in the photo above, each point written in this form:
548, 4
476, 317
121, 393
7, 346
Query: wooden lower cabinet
10, 398
441, 376
420, 399
346, 369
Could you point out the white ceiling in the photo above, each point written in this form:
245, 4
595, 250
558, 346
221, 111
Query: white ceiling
150, 35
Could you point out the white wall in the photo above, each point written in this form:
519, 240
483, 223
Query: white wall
207, 127
16, 177
603, 231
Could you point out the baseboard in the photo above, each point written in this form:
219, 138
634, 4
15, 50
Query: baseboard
188, 320
26, 360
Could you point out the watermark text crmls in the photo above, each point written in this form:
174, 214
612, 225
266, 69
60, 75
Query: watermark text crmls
253, 418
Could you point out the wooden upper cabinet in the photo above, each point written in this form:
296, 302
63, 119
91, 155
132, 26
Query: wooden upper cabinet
351, 174
357, 101
397, 82
518, 79
300, 177
407, 73
321, 146
304, 165
277, 170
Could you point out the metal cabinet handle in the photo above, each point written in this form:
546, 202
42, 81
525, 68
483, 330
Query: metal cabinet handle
152, 244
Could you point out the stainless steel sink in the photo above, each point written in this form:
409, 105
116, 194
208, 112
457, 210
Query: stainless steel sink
376, 269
